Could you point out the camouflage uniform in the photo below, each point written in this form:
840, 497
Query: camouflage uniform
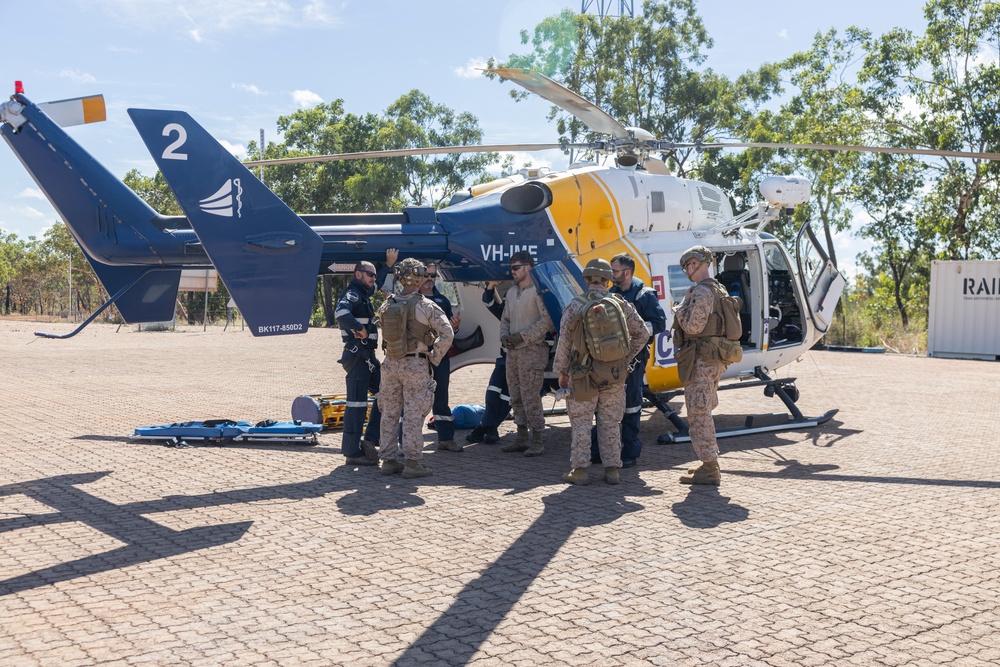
609, 403
701, 394
525, 314
408, 386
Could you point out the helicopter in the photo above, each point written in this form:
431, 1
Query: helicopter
269, 257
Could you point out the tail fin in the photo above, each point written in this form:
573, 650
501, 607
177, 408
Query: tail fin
267, 256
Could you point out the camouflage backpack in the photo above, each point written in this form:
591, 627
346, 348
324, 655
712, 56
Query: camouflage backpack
604, 333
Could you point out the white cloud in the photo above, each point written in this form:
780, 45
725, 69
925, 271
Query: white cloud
522, 158
472, 69
28, 212
306, 98
248, 88
199, 20
238, 150
77, 76
783, 33
32, 193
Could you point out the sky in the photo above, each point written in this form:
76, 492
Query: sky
237, 65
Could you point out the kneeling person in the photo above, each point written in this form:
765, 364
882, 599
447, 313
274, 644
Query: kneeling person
415, 336
594, 364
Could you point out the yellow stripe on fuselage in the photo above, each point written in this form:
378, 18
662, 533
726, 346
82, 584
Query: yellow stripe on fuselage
587, 217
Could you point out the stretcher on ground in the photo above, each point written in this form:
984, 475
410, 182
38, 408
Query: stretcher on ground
227, 431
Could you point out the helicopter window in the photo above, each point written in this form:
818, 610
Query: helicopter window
450, 290
656, 202
774, 257
679, 284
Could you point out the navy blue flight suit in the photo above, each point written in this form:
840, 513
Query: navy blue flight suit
649, 309
444, 421
353, 311
497, 397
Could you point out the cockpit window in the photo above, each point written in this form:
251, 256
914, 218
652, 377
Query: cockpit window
775, 257
679, 284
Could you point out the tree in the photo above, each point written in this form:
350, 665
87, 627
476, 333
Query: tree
642, 71
951, 74
416, 122
888, 188
154, 191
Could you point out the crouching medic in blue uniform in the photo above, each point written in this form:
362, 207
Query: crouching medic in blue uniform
356, 318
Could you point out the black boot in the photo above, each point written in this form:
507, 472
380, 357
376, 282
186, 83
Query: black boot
476, 434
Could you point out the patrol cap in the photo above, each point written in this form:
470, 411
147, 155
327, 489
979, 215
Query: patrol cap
410, 271
698, 252
600, 268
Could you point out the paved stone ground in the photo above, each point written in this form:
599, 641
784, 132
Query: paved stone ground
871, 540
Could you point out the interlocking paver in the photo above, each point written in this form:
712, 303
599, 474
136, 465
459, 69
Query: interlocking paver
871, 540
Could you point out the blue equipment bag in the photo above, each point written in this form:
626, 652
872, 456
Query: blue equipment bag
468, 416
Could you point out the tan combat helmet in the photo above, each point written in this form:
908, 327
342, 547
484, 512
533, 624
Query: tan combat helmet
698, 252
600, 268
410, 271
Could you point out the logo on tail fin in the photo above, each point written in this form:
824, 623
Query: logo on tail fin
222, 202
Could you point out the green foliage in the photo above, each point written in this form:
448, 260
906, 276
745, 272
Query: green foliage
939, 90
374, 185
644, 72
154, 191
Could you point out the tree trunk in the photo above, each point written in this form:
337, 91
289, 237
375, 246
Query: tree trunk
328, 312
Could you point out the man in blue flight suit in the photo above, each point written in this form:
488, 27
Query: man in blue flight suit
356, 317
444, 422
648, 306
497, 397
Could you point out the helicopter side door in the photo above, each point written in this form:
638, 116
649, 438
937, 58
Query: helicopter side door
822, 281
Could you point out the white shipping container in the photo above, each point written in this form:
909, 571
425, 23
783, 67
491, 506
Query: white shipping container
964, 317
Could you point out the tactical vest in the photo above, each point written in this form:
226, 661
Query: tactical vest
401, 332
725, 320
718, 342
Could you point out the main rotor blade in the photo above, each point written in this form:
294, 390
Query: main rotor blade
863, 149
564, 98
404, 152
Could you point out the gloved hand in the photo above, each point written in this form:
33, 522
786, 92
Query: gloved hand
511, 340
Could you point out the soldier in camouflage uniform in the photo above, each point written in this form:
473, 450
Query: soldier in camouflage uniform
407, 381
523, 327
701, 394
608, 401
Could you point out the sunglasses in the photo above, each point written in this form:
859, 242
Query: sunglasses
431, 275
515, 267
370, 274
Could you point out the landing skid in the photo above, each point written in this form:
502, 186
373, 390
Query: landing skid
784, 389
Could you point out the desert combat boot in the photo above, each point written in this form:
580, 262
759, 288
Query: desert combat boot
537, 448
611, 475
520, 442
707, 473
391, 467
576, 476
414, 469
